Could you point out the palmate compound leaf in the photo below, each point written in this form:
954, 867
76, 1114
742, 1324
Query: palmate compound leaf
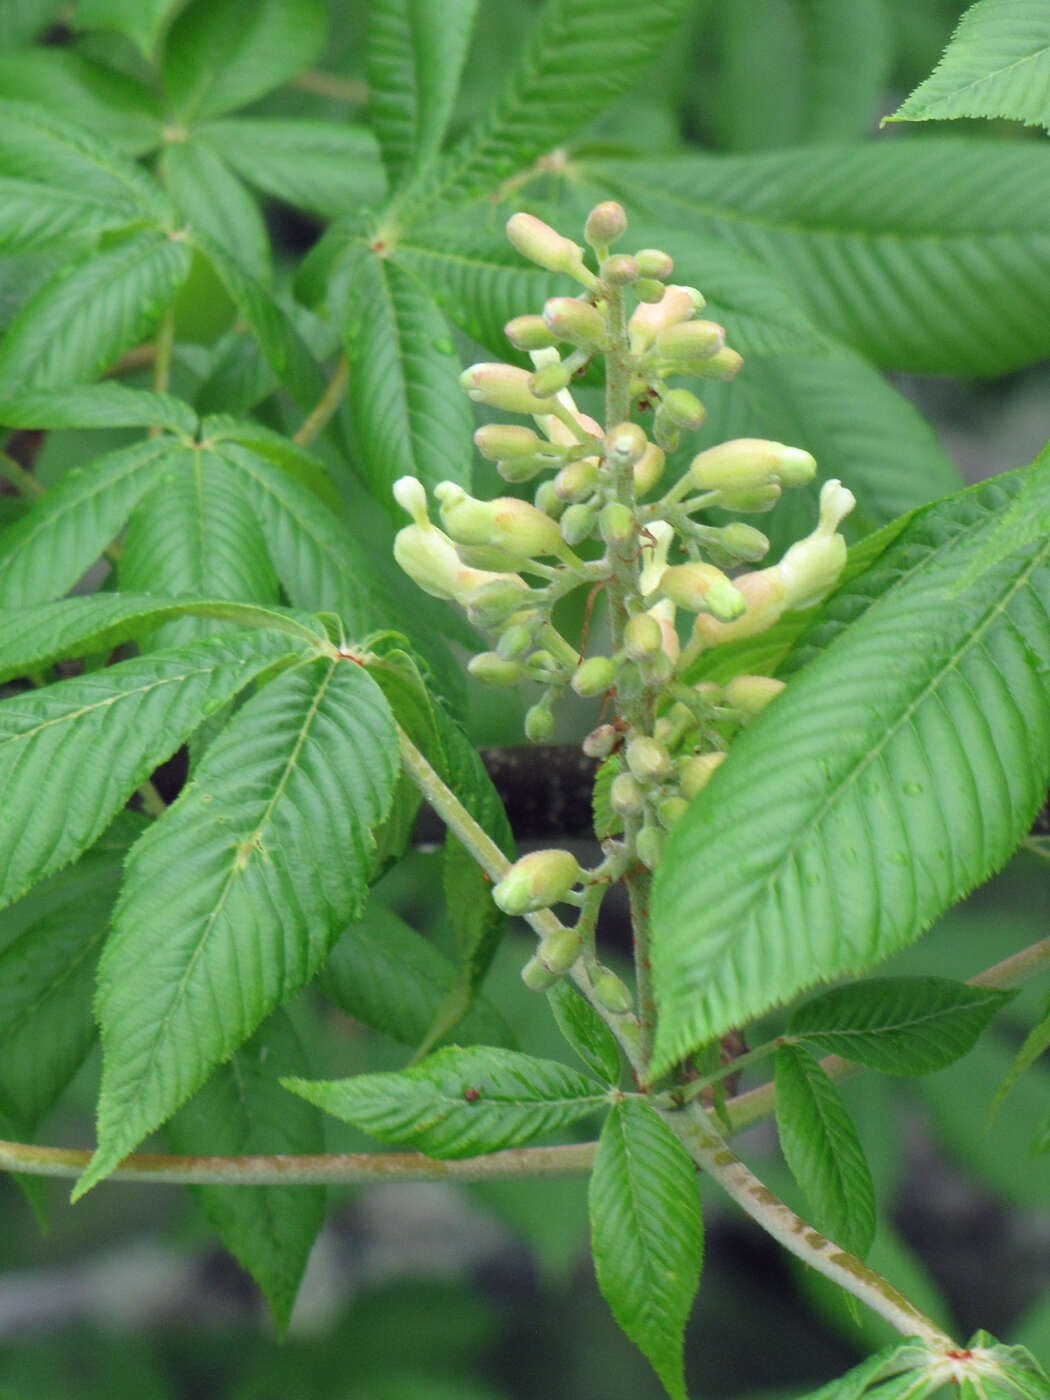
647, 1235
898, 770
242, 1109
232, 901
899, 1025
996, 65
97, 406
460, 1101
71, 754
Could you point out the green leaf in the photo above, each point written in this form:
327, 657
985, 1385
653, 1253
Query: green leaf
647, 1234
585, 1031
900, 768
891, 1374
99, 622
996, 65
195, 532
579, 56
312, 165
298, 462
460, 1102
22, 20
606, 821
416, 51
410, 413
233, 899
242, 1109
97, 406
210, 197
219, 56
899, 1025
1035, 1044
957, 282
141, 21
386, 975
97, 737
84, 318
822, 1149
49, 944
44, 554
109, 104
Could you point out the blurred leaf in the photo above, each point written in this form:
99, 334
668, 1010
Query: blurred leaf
1035, 1044
110, 405
23, 20
106, 102
141, 21
210, 197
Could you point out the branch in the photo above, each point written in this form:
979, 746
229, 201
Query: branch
320, 415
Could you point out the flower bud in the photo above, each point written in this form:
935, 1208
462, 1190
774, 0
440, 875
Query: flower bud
649, 469
497, 441
502, 386
518, 469
654, 263
593, 676
616, 523
539, 722
648, 290
647, 321
546, 499
536, 977
648, 759
670, 810
663, 613
612, 994
710, 692
543, 667
694, 772
642, 637
577, 523
543, 245
505, 523
683, 409
690, 340
515, 641
625, 796
811, 567
491, 669
550, 380
600, 742
536, 881
665, 433
578, 481
744, 463
528, 333
743, 542
411, 495
575, 321
559, 951
657, 670
702, 588
649, 846
605, 224
752, 500
429, 558
490, 604
724, 364
751, 694
625, 444
619, 271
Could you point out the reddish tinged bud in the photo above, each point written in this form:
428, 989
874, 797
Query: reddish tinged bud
605, 224
619, 271
652, 262
502, 386
600, 742
537, 881
528, 333
543, 245
575, 321
647, 321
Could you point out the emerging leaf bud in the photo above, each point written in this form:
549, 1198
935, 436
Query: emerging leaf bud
751, 694
577, 523
616, 523
625, 444
702, 588
575, 321
648, 759
506, 523
559, 951
611, 993
649, 846
528, 333
490, 604
683, 409
690, 340
625, 796
502, 386
649, 469
550, 380
694, 772
578, 481
543, 245
724, 364
654, 263
539, 722
537, 881
490, 669
642, 637
594, 676
600, 742
605, 224
496, 441
619, 271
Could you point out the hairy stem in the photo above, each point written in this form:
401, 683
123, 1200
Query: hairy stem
321, 414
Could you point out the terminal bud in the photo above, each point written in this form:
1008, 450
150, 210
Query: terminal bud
605, 224
537, 881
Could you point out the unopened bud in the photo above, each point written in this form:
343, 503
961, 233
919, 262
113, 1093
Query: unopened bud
743, 542
694, 772
490, 604
612, 994
625, 444
616, 523
547, 500
657, 671
559, 951
665, 433
550, 380
536, 977
649, 846
724, 364
652, 262
577, 523
619, 271
642, 637
690, 340
811, 567
600, 742
648, 290
625, 795
594, 676
502, 386
496, 441
578, 481
765, 597
744, 463
702, 588
543, 667
537, 881
670, 810
649, 470
518, 469
605, 224
515, 641
542, 244
752, 500
411, 495
683, 409
429, 558
751, 694
490, 669
506, 524
529, 333
710, 692
647, 321
575, 321
539, 722
648, 759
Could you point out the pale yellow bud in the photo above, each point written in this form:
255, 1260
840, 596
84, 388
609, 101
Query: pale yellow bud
751, 694
543, 245
648, 320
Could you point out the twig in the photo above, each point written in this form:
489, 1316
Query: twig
320, 415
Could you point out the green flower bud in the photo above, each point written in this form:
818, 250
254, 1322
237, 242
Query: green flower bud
751, 694
510, 441
544, 667
619, 271
489, 605
536, 977
537, 881
649, 846
616, 523
593, 676
600, 742
657, 671
670, 810
518, 469
559, 951
528, 333
753, 500
578, 481
502, 386
575, 321
743, 542
550, 380
429, 558
690, 340
725, 364
683, 408
507, 524
648, 290
694, 772
702, 588
515, 641
491, 669
543, 245
578, 523
547, 500
665, 433
539, 722
710, 692
612, 994
642, 637
648, 759
649, 470
744, 463
625, 444
625, 795
605, 224
654, 263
